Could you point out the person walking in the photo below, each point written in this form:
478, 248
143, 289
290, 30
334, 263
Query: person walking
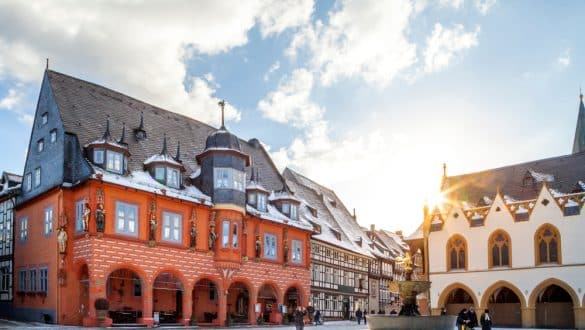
472, 316
462, 320
358, 315
299, 317
486, 320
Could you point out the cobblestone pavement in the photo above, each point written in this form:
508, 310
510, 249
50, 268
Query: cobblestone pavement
331, 325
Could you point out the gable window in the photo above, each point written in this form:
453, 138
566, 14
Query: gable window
41, 145
547, 242
297, 251
115, 162
126, 219
499, 249
53, 135
225, 234
98, 156
22, 280
235, 235
261, 203
48, 223
37, 176
229, 178
270, 246
33, 280
44, 279
456, 253
293, 212
172, 227
45, 118
24, 229
28, 182
79, 207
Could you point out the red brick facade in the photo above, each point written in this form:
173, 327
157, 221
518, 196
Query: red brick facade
83, 274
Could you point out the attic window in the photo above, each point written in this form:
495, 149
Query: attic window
316, 227
44, 118
571, 210
336, 233
168, 176
313, 211
359, 241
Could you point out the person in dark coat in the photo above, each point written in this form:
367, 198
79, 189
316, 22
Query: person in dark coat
472, 316
462, 319
443, 311
486, 320
299, 317
365, 314
358, 315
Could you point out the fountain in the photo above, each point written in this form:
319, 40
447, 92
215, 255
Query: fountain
409, 317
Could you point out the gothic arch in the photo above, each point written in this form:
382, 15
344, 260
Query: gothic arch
544, 284
458, 244
499, 284
186, 284
556, 235
137, 270
446, 291
493, 240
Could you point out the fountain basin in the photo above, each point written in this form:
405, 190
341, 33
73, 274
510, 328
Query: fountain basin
387, 322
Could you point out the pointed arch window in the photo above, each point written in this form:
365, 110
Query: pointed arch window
457, 253
499, 248
547, 245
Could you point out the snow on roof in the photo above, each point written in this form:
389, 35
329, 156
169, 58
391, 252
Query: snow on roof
143, 181
272, 214
160, 158
540, 177
253, 185
276, 195
104, 141
487, 200
508, 199
417, 234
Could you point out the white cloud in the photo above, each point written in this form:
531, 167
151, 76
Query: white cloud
275, 66
138, 48
443, 44
11, 99
290, 102
365, 39
277, 16
484, 6
564, 59
456, 4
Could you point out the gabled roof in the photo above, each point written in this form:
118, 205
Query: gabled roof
520, 181
331, 214
10, 184
84, 107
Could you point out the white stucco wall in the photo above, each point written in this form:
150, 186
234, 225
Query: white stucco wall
523, 273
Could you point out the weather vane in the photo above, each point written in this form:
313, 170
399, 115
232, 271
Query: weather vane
222, 105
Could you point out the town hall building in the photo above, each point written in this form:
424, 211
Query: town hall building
510, 239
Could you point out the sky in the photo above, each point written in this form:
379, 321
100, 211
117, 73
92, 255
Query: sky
367, 97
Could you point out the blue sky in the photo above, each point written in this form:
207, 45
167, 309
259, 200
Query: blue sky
367, 97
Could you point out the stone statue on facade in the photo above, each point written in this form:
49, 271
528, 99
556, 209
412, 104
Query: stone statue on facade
152, 227
193, 235
212, 237
100, 218
62, 239
86, 215
285, 251
258, 246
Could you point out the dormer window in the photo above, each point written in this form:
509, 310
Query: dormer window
45, 118
293, 212
115, 162
164, 168
261, 202
98, 156
286, 207
168, 176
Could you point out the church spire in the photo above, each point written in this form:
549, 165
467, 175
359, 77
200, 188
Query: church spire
579, 141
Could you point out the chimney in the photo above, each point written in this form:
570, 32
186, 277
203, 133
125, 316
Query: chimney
354, 216
372, 228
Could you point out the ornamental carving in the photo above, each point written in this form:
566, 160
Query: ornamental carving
152, 222
86, 215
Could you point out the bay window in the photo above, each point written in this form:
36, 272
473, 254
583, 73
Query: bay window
229, 178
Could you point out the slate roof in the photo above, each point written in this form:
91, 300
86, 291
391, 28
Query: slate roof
10, 184
332, 215
519, 181
84, 107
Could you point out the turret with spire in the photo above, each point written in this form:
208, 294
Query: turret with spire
579, 141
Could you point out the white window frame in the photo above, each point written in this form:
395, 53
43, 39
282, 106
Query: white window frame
293, 211
44, 279
225, 234
48, 222
159, 174
53, 135
252, 198
270, 246
98, 156
297, 251
41, 145
172, 227
261, 204
127, 218
28, 182
229, 178
285, 207
37, 177
23, 229
79, 207
32, 274
173, 177
115, 162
